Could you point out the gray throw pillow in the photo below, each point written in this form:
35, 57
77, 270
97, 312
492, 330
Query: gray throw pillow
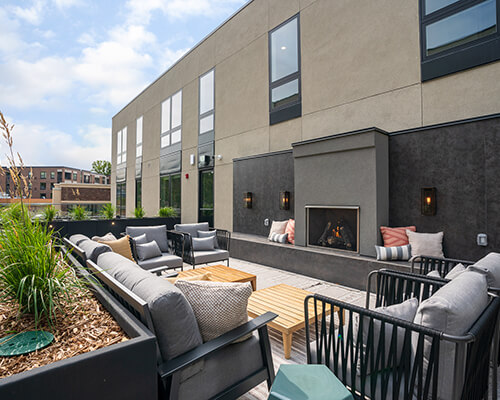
148, 250
107, 237
218, 306
455, 271
205, 234
278, 238
434, 274
141, 239
203, 244
489, 265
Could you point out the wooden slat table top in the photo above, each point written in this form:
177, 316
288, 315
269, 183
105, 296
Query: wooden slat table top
286, 301
222, 273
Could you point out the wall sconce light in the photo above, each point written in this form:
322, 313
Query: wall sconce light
428, 201
192, 159
247, 199
284, 200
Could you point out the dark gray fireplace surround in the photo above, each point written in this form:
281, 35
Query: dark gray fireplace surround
382, 174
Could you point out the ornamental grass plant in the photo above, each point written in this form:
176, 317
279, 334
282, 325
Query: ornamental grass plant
167, 212
108, 211
139, 212
79, 213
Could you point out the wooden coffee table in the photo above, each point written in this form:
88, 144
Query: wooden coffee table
221, 273
288, 302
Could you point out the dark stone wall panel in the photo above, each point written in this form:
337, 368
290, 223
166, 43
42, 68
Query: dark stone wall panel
462, 161
265, 176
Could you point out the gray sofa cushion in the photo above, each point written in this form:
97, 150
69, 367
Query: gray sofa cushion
206, 243
173, 318
78, 238
489, 266
141, 239
147, 251
93, 249
192, 229
223, 369
165, 259
204, 234
203, 257
122, 269
157, 233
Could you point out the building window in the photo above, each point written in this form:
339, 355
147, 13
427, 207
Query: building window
43, 186
75, 176
120, 199
170, 191
171, 120
86, 179
458, 35
97, 179
43, 196
207, 113
284, 72
52, 185
52, 175
121, 146
138, 138
67, 176
43, 175
138, 193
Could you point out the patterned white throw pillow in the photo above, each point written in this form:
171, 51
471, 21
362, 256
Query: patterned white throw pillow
217, 306
402, 253
278, 238
278, 227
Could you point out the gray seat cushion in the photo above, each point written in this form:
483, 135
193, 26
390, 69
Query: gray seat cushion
157, 233
203, 257
93, 249
223, 369
165, 259
78, 238
192, 229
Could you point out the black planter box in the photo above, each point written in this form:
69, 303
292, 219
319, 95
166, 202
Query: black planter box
125, 370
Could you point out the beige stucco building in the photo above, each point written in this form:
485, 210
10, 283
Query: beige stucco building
359, 64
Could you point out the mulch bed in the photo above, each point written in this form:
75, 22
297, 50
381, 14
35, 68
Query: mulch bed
84, 326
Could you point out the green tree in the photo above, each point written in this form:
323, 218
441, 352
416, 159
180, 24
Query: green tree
101, 167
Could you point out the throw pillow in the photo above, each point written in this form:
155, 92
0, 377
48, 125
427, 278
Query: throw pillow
290, 229
141, 239
107, 236
434, 274
203, 244
276, 237
396, 236
148, 250
489, 265
218, 306
393, 253
205, 234
426, 244
277, 227
120, 246
199, 277
455, 271
405, 311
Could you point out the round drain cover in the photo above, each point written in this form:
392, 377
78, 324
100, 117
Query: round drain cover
23, 343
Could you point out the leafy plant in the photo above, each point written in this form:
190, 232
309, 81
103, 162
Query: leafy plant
102, 167
78, 213
49, 213
167, 212
32, 272
108, 211
15, 212
139, 212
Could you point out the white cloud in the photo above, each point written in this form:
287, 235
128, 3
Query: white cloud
39, 145
33, 14
67, 3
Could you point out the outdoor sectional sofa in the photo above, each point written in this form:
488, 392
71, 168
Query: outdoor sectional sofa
187, 367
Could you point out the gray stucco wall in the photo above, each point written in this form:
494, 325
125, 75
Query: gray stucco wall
463, 162
265, 176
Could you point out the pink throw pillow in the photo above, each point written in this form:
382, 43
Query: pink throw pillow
396, 236
290, 229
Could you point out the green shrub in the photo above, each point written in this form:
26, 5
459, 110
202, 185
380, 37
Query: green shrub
139, 212
167, 212
108, 211
78, 213
15, 212
32, 272
49, 213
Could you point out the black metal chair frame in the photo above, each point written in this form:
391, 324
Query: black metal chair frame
407, 373
425, 264
223, 241
169, 372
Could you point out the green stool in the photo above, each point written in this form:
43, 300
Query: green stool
307, 382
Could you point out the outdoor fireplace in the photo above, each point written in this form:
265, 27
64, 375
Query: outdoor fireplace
333, 227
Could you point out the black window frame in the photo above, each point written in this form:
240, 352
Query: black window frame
169, 202
294, 109
121, 198
462, 57
43, 175
43, 186
138, 193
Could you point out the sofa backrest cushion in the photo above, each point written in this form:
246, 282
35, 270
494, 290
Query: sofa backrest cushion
78, 238
192, 229
453, 309
489, 266
158, 233
93, 249
127, 272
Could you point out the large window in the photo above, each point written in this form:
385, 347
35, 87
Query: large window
171, 120
121, 146
170, 191
138, 193
120, 199
207, 107
206, 200
284, 72
457, 35
138, 138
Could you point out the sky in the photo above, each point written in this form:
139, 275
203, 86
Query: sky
68, 66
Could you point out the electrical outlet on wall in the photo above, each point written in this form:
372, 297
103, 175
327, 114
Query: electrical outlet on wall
482, 239
266, 222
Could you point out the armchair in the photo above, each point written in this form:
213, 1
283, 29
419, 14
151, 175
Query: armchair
425, 264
